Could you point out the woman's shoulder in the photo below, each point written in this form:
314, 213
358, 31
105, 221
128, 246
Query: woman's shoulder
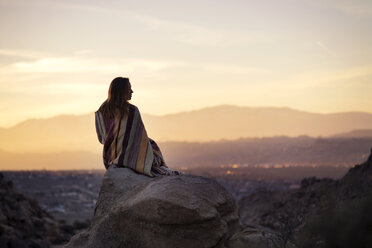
100, 109
134, 107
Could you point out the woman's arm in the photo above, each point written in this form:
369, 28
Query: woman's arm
100, 127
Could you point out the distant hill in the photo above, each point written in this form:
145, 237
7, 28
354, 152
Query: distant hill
268, 152
77, 132
274, 152
232, 122
59, 133
355, 134
51, 161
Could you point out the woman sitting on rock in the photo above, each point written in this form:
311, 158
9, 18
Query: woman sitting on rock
120, 129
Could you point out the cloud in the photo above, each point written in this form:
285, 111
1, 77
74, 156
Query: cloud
322, 46
78, 64
70, 74
22, 53
229, 69
336, 78
73, 88
183, 32
355, 8
360, 8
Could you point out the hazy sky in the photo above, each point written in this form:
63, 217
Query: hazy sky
59, 56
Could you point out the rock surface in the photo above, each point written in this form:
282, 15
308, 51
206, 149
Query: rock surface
134, 210
257, 237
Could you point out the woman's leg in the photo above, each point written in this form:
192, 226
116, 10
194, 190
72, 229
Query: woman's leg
157, 152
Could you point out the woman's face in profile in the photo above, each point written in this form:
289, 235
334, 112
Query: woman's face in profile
130, 91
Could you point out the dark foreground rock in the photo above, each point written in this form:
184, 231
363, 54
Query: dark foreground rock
23, 223
320, 207
134, 210
265, 208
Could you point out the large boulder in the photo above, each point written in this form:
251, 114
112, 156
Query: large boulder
134, 210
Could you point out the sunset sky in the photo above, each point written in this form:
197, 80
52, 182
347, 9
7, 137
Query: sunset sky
59, 56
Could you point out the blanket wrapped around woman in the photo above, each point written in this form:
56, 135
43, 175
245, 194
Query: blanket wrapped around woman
126, 144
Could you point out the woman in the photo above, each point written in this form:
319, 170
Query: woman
120, 129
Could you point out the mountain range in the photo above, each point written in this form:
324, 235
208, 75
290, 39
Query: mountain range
225, 122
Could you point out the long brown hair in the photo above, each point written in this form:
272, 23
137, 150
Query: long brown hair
117, 100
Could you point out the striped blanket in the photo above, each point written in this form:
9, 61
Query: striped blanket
126, 143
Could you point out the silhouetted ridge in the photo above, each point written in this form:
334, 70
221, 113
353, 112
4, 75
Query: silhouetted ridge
359, 178
363, 169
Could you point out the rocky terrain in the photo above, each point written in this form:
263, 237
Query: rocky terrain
66, 195
133, 210
72, 195
24, 224
292, 213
